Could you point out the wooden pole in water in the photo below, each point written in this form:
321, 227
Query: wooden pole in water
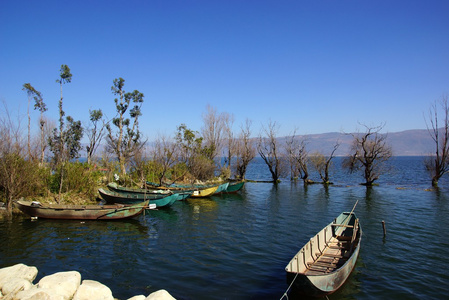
384, 228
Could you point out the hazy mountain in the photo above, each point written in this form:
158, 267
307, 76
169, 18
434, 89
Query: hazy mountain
415, 142
405, 143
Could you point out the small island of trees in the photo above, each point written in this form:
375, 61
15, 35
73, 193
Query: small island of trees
48, 167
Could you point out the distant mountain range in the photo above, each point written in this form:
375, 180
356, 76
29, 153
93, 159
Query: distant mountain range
417, 142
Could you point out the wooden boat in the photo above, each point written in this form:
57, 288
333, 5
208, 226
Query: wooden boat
80, 212
325, 262
234, 187
160, 200
121, 189
205, 192
182, 194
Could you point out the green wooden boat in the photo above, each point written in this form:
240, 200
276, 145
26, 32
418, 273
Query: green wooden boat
161, 200
80, 212
222, 188
326, 260
120, 189
234, 187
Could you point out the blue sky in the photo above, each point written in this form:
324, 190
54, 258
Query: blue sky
318, 66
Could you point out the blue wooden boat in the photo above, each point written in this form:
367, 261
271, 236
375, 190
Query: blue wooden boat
326, 260
161, 200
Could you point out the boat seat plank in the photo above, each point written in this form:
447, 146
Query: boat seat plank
344, 238
332, 255
342, 225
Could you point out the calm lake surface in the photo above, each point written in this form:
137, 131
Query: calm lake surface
237, 246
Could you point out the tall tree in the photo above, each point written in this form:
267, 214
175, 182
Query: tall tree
95, 132
245, 150
127, 140
42, 107
65, 76
32, 93
369, 153
438, 164
269, 150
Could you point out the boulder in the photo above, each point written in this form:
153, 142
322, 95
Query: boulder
36, 293
139, 297
15, 285
64, 284
160, 295
90, 289
17, 271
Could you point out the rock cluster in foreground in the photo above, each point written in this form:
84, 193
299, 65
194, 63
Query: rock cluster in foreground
16, 283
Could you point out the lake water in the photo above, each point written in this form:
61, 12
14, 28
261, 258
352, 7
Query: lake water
237, 246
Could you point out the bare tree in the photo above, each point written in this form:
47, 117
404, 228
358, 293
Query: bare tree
298, 157
95, 132
322, 163
369, 153
230, 140
18, 176
438, 164
245, 150
212, 131
269, 150
165, 155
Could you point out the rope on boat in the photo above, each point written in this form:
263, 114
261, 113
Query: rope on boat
289, 287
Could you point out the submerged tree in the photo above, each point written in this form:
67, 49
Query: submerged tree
322, 163
245, 150
369, 153
127, 140
269, 150
298, 157
438, 164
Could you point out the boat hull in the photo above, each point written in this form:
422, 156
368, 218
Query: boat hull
81, 212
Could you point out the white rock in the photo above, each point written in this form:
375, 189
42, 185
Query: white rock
15, 285
36, 293
64, 284
160, 295
17, 271
139, 297
91, 289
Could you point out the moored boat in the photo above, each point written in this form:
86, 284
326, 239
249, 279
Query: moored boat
325, 262
160, 200
121, 189
80, 212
